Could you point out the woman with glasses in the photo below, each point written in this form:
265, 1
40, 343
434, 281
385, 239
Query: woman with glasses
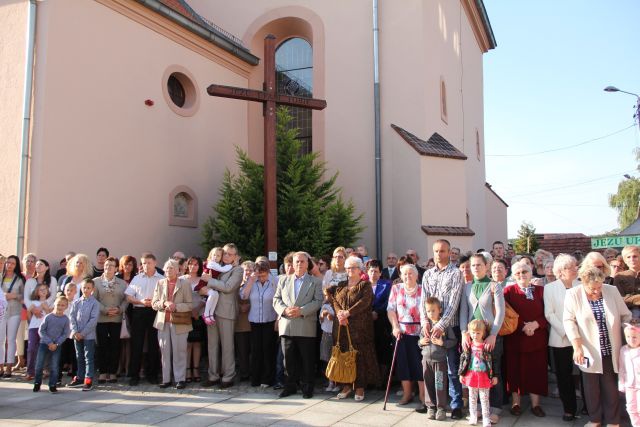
337, 273
526, 348
593, 316
565, 268
352, 304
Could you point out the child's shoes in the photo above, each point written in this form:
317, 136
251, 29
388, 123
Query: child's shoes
36, 387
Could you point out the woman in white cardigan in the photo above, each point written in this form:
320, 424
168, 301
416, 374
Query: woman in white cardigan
565, 268
593, 318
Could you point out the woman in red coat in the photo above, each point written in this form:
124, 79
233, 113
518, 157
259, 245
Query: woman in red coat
526, 348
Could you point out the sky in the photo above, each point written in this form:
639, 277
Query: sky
543, 90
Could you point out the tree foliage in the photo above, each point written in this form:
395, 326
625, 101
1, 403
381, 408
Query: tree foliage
626, 200
312, 215
526, 242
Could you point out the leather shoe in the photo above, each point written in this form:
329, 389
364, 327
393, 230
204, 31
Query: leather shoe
286, 392
134, 382
423, 409
515, 410
538, 412
164, 385
209, 383
180, 385
225, 384
456, 414
307, 395
568, 417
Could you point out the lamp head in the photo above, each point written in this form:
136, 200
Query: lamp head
611, 89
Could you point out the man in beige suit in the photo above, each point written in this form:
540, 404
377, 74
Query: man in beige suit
297, 300
220, 334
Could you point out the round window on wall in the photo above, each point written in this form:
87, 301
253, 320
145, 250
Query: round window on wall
176, 90
180, 91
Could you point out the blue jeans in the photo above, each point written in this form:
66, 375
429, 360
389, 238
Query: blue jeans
85, 350
453, 363
43, 352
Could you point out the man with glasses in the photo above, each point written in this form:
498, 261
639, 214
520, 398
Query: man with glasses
390, 272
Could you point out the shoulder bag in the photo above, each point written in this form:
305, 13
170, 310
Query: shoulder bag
342, 365
510, 322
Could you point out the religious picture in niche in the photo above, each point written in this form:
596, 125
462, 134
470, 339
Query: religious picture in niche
181, 205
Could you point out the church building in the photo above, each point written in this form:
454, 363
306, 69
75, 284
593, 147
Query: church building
109, 137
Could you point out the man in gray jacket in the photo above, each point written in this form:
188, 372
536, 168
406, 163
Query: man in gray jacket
297, 300
220, 334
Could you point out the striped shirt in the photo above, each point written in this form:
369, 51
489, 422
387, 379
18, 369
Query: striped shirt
597, 307
447, 286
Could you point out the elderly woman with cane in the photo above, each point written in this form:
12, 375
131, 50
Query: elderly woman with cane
404, 314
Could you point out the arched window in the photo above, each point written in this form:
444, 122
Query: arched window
294, 76
443, 101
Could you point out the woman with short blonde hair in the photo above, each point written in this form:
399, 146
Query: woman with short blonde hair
337, 273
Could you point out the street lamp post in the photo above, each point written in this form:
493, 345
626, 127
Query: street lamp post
636, 116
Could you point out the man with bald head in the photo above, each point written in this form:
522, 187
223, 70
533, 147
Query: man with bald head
390, 272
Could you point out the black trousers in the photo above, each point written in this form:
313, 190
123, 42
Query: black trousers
299, 361
563, 363
108, 334
142, 323
263, 353
68, 356
243, 348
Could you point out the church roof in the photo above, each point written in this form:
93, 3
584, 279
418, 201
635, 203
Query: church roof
447, 230
180, 12
486, 184
632, 229
435, 146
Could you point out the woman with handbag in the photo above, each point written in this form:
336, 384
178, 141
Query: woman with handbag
483, 300
403, 311
173, 302
565, 268
352, 304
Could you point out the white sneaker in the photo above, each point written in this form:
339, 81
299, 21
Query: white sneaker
473, 421
330, 389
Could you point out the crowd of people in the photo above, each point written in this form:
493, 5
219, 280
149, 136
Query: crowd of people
463, 327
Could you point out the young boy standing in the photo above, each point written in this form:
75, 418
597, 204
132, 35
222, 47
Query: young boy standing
53, 331
434, 362
84, 318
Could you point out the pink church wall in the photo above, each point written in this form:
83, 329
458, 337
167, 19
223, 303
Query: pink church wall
110, 156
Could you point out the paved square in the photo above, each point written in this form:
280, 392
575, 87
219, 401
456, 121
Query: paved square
120, 405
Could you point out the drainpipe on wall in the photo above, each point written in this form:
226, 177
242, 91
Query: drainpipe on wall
376, 106
26, 128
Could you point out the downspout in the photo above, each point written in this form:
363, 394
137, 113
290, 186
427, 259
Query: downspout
26, 128
376, 106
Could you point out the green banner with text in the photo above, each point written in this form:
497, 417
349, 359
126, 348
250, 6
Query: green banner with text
614, 241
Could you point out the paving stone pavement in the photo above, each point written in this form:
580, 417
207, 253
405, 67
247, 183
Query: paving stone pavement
120, 405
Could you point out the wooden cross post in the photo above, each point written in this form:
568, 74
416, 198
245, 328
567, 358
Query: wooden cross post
269, 98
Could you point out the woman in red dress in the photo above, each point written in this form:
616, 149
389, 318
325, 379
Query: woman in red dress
526, 348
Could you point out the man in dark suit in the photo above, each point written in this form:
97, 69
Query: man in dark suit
390, 272
297, 300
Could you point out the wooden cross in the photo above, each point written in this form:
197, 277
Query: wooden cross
269, 98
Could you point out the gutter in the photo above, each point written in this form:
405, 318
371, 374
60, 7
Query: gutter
214, 36
378, 155
26, 128
487, 24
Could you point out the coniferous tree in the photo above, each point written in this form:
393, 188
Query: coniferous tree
312, 215
526, 241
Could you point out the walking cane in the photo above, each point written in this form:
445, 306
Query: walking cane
393, 362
